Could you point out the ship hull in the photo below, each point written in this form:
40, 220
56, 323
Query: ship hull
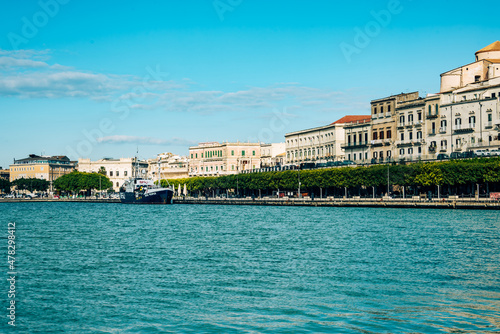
163, 196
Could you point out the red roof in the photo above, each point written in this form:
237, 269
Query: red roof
353, 118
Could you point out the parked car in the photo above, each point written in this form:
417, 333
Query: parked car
468, 154
442, 156
456, 155
495, 153
348, 162
482, 153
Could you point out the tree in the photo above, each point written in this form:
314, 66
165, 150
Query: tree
5, 185
76, 181
102, 171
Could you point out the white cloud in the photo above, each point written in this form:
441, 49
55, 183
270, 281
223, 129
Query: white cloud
122, 139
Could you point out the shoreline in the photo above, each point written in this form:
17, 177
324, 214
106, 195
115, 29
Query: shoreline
408, 203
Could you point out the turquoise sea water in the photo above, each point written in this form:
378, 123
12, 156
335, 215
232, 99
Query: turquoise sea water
112, 268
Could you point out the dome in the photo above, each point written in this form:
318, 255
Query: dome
492, 51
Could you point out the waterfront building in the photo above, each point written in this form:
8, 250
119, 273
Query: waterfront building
273, 155
214, 159
171, 166
411, 129
319, 144
117, 170
41, 167
356, 143
4, 174
383, 117
470, 104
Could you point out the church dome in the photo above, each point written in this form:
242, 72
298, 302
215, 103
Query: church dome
492, 51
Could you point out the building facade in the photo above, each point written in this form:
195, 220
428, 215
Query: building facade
215, 159
383, 145
410, 127
171, 166
117, 170
470, 104
41, 167
272, 155
320, 144
356, 144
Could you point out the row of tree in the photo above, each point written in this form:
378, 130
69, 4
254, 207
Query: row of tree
30, 184
76, 182
454, 177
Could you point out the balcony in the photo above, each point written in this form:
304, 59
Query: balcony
401, 125
386, 141
489, 125
405, 143
464, 128
432, 148
388, 114
443, 149
419, 141
442, 130
377, 142
418, 123
431, 132
431, 115
409, 124
354, 145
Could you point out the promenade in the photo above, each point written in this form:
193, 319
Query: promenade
386, 202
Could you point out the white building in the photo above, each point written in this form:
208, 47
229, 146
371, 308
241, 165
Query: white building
171, 166
469, 116
358, 134
318, 144
272, 155
117, 170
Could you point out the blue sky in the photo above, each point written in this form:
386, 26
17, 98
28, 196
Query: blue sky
99, 79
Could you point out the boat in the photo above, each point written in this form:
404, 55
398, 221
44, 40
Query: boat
141, 190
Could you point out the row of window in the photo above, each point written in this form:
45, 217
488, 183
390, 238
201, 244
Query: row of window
117, 173
410, 151
310, 152
381, 109
359, 136
218, 154
410, 135
380, 135
312, 140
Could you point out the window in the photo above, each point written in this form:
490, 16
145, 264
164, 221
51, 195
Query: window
126, 173
191, 155
381, 134
232, 167
419, 135
117, 173
477, 78
419, 150
374, 155
472, 120
410, 118
410, 150
360, 137
196, 155
419, 116
375, 135
242, 153
493, 95
117, 184
389, 108
410, 135
458, 121
381, 154
444, 143
232, 152
374, 110
382, 109
202, 155
402, 136
366, 137
253, 153
110, 173
349, 139
389, 134
216, 167
388, 154
402, 119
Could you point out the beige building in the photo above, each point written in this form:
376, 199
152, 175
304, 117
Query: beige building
171, 166
4, 173
41, 167
319, 144
117, 170
411, 129
383, 111
356, 144
469, 114
214, 159
273, 155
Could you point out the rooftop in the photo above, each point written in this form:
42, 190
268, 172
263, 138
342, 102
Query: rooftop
353, 119
495, 46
